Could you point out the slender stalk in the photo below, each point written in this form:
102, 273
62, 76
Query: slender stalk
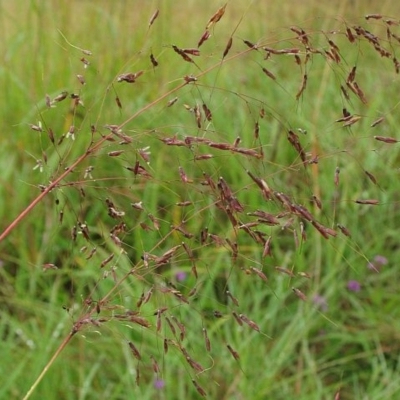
49, 364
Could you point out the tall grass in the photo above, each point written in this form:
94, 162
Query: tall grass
240, 242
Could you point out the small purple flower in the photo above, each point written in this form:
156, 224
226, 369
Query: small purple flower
354, 286
180, 276
320, 302
159, 384
381, 260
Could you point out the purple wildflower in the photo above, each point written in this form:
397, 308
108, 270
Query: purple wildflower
354, 286
381, 260
180, 276
159, 384
320, 302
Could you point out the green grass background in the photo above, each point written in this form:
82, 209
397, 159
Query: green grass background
303, 351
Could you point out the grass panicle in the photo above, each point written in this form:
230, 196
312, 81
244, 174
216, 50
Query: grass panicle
200, 210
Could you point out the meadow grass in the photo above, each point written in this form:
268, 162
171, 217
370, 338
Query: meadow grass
155, 320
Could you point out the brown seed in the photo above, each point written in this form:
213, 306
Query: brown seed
386, 139
352, 75
250, 44
129, 77
91, 254
249, 322
267, 193
373, 202
267, 248
85, 62
49, 266
182, 54
73, 233
184, 232
169, 104
203, 157
84, 230
350, 35
302, 87
377, 122
228, 47
199, 389
156, 223
207, 112
62, 96
135, 351
303, 232
206, 35
206, 340
299, 294
188, 251
325, 231
153, 60
140, 321
148, 295
37, 128
156, 367
197, 115
256, 130
337, 172
344, 230
81, 79
373, 16
115, 153
154, 17
193, 291
269, 74
234, 353
238, 320
260, 274
118, 101
171, 326
233, 298
106, 261
345, 93
61, 216
165, 346
295, 142
203, 236
158, 324
193, 52
51, 135
392, 22
216, 16
317, 201
371, 177
183, 176
194, 272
